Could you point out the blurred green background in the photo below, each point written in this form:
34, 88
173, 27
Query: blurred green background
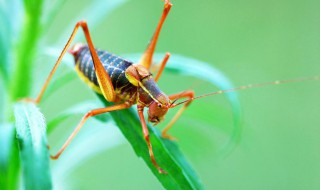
250, 41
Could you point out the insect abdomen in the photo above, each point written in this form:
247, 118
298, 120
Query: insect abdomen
114, 65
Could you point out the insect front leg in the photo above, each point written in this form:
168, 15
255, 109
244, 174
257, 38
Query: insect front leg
84, 119
186, 94
147, 138
146, 59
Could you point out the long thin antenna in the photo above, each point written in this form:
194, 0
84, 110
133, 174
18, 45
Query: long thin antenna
249, 86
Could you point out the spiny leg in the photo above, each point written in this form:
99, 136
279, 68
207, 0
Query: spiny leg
146, 59
186, 94
147, 138
162, 66
103, 77
104, 80
83, 120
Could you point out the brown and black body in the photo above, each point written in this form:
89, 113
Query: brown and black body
119, 71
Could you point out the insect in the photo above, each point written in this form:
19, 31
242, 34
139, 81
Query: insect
126, 84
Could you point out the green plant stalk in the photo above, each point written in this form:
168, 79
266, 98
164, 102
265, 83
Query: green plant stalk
25, 51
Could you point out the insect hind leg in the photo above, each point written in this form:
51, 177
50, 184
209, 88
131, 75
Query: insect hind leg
84, 119
104, 80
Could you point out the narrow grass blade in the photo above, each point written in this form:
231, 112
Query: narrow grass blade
9, 160
31, 134
180, 173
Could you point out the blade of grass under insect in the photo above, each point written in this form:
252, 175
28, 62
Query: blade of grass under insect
180, 173
101, 10
31, 134
9, 159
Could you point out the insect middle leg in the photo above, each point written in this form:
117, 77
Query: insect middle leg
186, 94
146, 59
147, 138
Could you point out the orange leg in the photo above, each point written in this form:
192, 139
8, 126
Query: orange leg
185, 94
162, 66
83, 120
103, 77
146, 59
147, 138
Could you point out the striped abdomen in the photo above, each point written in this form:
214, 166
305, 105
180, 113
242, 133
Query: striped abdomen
115, 67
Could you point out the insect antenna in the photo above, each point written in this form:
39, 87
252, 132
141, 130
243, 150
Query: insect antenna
177, 98
172, 103
249, 86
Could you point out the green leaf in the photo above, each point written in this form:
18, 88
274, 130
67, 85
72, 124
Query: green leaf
9, 160
31, 134
180, 173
